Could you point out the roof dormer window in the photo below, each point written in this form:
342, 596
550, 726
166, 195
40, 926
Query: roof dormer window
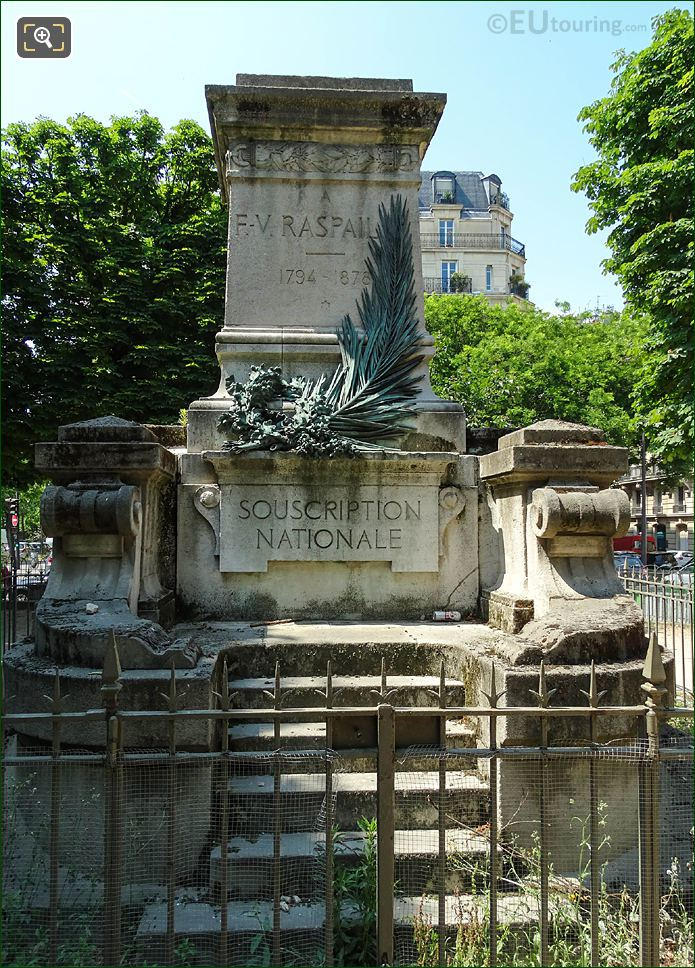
443, 189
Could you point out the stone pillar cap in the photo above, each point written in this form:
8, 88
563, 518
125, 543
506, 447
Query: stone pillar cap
104, 429
556, 432
555, 449
332, 111
325, 83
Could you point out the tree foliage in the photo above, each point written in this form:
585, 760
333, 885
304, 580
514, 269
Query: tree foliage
511, 365
114, 245
641, 188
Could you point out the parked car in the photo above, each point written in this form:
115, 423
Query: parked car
30, 587
627, 562
680, 579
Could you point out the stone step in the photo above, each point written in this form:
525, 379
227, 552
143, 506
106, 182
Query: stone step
251, 800
303, 691
250, 862
257, 741
254, 737
355, 761
301, 926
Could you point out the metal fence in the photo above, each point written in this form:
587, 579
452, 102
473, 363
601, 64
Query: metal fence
25, 568
22, 588
666, 599
447, 852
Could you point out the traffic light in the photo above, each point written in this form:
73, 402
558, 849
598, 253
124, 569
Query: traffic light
12, 511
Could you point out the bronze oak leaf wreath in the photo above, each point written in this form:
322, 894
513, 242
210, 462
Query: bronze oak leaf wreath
371, 394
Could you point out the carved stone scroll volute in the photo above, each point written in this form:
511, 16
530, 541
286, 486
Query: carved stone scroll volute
207, 502
451, 505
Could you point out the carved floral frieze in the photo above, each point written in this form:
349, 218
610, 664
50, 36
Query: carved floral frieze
301, 156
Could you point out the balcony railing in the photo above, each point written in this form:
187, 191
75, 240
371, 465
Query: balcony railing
447, 198
501, 199
472, 240
434, 284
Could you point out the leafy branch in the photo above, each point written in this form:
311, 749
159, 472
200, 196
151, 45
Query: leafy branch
371, 395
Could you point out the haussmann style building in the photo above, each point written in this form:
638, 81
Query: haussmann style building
669, 508
466, 238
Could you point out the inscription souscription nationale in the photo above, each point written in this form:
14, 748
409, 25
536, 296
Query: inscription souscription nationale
273, 523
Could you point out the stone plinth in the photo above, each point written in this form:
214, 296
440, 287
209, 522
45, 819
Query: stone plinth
550, 522
111, 515
304, 164
386, 534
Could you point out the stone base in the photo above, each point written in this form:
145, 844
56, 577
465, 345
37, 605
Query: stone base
68, 633
506, 612
248, 554
29, 679
468, 651
81, 824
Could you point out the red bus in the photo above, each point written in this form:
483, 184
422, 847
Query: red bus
633, 542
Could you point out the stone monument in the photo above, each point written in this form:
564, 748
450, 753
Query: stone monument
178, 551
305, 164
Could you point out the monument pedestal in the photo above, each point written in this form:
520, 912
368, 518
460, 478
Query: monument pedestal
385, 534
305, 164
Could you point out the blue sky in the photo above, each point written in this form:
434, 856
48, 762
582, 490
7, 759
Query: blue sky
515, 86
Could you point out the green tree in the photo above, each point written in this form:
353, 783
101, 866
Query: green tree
641, 188
511, 365
114, 245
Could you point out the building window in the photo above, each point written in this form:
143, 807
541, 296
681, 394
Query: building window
488, 278
680, 497
443, 189
638, 497
446, 231
448, 269
683, 539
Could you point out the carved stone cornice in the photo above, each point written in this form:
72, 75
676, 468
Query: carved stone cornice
301, 156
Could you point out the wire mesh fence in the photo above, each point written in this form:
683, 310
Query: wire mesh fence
501, 853
53, 858
179, 902
565, 853
666, 600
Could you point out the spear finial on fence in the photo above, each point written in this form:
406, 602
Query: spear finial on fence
543, 693
223, 694
593, 695
56, 700
655, 674
493, 697
171, 698
655, 690
329, 684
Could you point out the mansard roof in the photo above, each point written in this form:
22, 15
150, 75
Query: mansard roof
469, 189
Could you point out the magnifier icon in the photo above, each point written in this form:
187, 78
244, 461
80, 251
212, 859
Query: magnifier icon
42, 35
